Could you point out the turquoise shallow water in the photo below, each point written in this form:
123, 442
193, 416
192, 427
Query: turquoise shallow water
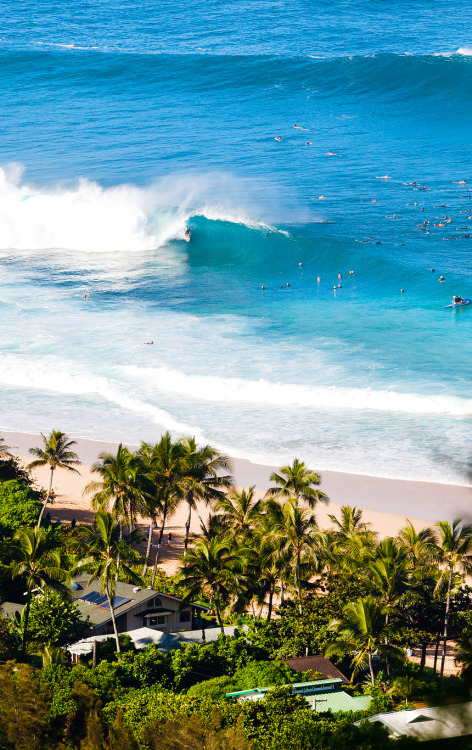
121, 126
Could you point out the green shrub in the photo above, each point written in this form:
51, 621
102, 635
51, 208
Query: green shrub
55, 621
19, 505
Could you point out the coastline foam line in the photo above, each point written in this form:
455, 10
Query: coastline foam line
211, 388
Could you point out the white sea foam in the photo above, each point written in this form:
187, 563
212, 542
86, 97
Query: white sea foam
464, 51
234, 390
54, 375
88, 217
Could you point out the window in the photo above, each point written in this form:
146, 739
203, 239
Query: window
185, 616
156, 602
158, 620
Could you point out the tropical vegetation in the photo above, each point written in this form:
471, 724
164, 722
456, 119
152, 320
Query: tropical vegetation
261, 562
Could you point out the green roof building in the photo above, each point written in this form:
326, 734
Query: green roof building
322, 695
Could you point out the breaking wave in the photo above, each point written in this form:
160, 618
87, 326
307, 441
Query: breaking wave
87, 217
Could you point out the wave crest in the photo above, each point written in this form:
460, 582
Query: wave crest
87, 217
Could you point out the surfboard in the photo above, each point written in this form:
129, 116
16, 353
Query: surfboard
459, 304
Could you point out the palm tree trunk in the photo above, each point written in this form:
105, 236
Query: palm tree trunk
148, 548
387, 663
446, 621
436, 652
299, 588
371, 669
271, 597
281, 592
25, 627
187, 527
218, 616
118, 561
424, 647
112, 611
161, 534
46, 501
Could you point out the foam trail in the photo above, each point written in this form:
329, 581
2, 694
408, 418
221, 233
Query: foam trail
57, 376
234, 390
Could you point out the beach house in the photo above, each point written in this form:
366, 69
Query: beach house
134, 608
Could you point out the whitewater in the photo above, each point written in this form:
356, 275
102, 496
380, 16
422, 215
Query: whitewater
121, 134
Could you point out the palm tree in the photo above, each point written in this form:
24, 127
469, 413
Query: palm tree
241, 511
202, 478
214, 528
350, 524
165, 472
389, 575
454, 550
388, 571
56, 453
301, 539
104, 550
297, 482
419, 547
119, 485
271, 560
37, 559
211, 568
362, 631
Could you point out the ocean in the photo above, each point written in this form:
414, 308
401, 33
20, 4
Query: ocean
122, 124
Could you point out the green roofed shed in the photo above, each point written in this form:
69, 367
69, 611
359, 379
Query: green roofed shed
322, 695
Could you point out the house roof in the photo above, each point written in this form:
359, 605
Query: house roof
308, 687
339, 701
316, 664
131, 595
322, 695
439, 722
142, 637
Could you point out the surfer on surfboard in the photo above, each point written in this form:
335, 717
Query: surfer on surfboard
187, 234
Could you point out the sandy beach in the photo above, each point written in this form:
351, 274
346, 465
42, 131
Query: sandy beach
385, 502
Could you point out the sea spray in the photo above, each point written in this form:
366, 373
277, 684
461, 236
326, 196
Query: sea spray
87, 217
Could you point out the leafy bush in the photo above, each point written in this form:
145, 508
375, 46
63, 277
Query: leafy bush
10, 468
255, 674
264, 674
54, 620
214, 689
19, 505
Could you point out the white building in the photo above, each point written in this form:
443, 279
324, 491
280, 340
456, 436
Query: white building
441, 722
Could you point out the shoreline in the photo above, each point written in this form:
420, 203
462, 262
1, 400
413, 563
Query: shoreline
397, 497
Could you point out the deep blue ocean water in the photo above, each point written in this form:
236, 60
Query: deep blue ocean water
122, 124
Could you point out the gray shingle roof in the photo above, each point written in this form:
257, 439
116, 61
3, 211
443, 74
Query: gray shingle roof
99, 616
